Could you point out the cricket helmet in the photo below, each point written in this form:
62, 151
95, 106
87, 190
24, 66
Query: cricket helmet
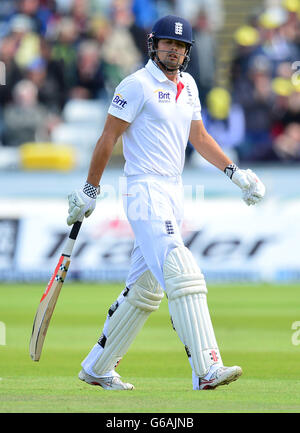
171, 27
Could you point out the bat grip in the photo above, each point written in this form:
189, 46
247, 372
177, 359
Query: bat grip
72, 238
75, 230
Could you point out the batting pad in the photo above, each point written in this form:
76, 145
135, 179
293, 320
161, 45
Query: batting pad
186, 291
144, 297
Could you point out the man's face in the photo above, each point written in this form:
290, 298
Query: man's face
171, 52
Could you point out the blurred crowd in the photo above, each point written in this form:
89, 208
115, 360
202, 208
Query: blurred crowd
55, 52
265, 83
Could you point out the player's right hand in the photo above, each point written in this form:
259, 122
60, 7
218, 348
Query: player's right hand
80, 205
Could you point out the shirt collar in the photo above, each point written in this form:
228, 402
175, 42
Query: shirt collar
156, 71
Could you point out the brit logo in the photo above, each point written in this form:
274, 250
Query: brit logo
163, 96
119, 101
178, 28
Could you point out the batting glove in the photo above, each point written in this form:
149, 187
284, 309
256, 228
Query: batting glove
82, 202
252, 188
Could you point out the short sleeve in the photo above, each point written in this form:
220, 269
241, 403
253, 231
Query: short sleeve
128, 99
197, 106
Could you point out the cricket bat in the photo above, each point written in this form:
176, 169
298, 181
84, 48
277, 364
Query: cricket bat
49, 298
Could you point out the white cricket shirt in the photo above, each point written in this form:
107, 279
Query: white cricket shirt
160, 114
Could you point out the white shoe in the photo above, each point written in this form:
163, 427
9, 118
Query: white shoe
222, 376
112, 383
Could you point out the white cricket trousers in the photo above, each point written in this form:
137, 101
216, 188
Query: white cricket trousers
154, 208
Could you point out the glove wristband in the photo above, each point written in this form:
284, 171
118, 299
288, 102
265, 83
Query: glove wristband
230, 169
91, 190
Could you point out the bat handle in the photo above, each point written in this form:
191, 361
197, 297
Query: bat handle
71, 239
75, 230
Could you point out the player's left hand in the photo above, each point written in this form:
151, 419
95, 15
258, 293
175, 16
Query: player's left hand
252, 187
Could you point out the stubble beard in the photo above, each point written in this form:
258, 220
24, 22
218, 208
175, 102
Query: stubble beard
173, 64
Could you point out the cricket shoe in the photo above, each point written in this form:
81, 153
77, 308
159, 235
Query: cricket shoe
221, 376
112, 383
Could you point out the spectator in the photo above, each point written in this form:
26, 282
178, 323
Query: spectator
80, 13
276, 37
100, 28
119, 50
49, 93
84, 48
55, 70
13, 73
293, 112
88, 80
28, 42
123, 17
24, 118
287, 145
293, 10
224, 120
40, 15
282, 88
204, 53
246, 41
64, 46
256, 98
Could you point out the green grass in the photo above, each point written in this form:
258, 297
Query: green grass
253, 328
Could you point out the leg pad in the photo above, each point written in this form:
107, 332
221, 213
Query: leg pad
186, 291
127, 320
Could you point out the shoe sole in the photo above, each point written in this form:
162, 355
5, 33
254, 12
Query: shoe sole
226, 380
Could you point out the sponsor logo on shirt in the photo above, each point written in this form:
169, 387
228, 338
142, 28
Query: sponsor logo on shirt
163, 96
118, 101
